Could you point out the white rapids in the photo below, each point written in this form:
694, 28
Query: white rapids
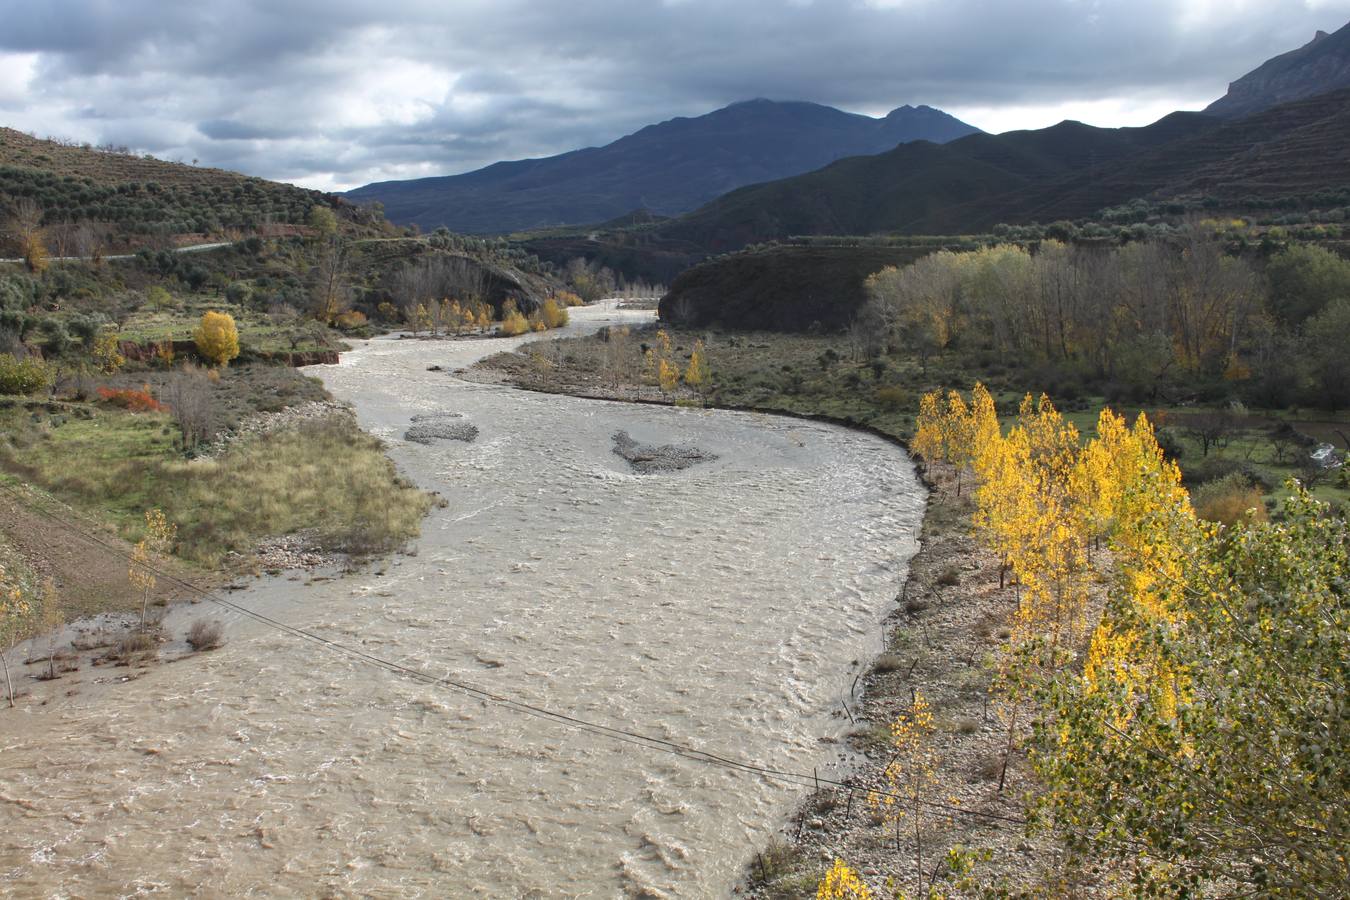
727, 607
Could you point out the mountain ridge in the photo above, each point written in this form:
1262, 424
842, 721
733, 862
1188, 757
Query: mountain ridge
1321, 65
667, 168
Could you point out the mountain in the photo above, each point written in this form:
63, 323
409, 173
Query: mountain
1067, 171
667, 169
1321, 65
919, 181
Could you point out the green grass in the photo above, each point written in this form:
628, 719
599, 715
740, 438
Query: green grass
328, 477
257, 331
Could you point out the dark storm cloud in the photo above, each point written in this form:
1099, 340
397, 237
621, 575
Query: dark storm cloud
343, 92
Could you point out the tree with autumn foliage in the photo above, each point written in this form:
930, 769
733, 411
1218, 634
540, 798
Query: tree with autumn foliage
216, 337
697, 374
149, 550
1204, 741
1193, 733
910, 775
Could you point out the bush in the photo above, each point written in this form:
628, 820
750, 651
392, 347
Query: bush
893, 396
1228, 499
351, 320
239, 292
23, 376
132, 400
553, 314
513, 324
204, 635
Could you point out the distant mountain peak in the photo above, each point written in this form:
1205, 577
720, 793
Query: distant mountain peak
1319, 66
667, 168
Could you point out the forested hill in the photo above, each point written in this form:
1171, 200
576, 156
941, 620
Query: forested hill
668, 168
132, 199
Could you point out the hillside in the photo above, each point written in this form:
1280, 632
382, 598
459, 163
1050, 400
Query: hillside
1321, 65
1069, 171
1272, 159
915, 183
140, 199
668, 168
780, 288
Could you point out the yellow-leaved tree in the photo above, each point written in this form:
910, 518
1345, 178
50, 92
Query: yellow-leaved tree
668, 375
696, 375
106, 351
911, 774
156, 543
216, 337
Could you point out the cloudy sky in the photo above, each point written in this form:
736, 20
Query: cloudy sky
337, 93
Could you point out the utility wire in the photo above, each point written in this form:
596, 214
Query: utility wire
648, 741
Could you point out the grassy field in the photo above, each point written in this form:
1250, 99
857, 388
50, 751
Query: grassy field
257, 332
327, 477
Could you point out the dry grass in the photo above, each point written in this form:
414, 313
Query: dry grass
205, 635
327, 477
889, 662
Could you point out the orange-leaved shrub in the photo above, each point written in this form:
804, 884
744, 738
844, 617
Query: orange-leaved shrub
131, 399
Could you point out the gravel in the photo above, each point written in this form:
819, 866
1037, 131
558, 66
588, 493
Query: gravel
649, 459
445, 426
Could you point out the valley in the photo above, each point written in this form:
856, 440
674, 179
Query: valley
792, 499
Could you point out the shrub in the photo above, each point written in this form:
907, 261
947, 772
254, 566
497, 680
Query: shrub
239, 292
157, 297
893, 396
949, 577
1228, 499
888, 662
553, 314
139, 645
130, 399
216, 337
350, 320
205, 635
513, 324
23, 376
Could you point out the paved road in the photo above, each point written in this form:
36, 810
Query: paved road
191, 248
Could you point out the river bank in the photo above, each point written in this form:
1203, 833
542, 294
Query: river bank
942, 637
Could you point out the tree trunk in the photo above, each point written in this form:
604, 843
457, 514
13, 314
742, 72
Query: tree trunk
9, 685
1007, 752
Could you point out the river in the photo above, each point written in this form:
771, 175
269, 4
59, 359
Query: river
728, 607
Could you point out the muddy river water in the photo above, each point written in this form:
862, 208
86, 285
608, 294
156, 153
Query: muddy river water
727, 607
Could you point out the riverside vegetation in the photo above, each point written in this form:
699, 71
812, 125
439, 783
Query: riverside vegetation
1149, 621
